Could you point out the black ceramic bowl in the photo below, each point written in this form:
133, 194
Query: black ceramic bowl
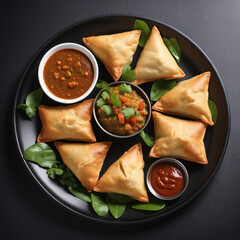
140, 92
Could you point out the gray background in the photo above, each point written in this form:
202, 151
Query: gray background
26, 211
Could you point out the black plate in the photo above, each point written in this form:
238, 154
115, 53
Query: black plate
194, 61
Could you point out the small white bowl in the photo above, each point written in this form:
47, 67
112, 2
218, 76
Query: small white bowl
55, 49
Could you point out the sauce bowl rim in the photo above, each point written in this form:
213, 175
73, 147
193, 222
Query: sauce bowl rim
62, 46
144, 95
183, 171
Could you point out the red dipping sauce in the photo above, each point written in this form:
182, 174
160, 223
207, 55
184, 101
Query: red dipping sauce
167, 179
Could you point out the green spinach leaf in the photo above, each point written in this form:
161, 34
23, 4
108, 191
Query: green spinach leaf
22, 106
141, 25
34, 98
154, 204
213, 110
99, 206
160, 87
30, 111
116, 208
175, 44
147, 139
80, 192
41, 154
172, 49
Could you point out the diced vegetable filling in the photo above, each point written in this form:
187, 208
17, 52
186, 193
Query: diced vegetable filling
121, 111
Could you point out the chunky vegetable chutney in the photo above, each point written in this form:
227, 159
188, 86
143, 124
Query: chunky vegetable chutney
121, 110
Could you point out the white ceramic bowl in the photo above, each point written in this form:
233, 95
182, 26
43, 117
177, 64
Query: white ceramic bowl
57, 48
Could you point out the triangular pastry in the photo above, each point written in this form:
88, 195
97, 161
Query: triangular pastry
85, 160
115, 50
72, 122
188, 98
156, 62
178, 138
125, 176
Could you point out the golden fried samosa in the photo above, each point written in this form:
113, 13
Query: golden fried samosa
85, 160
156, 62
178, 138
115, 50
125, 176
72, 122
188, 98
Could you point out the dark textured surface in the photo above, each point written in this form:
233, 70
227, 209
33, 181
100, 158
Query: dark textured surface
193, 62
26, 212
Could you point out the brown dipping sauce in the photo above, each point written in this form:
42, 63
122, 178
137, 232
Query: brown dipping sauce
166, 179
68, 74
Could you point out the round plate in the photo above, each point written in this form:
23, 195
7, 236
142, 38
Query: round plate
194, 61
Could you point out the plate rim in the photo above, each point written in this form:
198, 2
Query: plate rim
118, 221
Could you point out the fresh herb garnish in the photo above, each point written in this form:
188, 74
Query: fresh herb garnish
173, 47
102, 84
128, 75
53, 172
99, 205
79, 70
41, 154
71, 70
128, 112
33, 99
213, 110
100, 102
147, 139
141, 25
105, 96
124, 88
154, 204
62, 173
107, 109
67, 179
115, 100
160, 87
